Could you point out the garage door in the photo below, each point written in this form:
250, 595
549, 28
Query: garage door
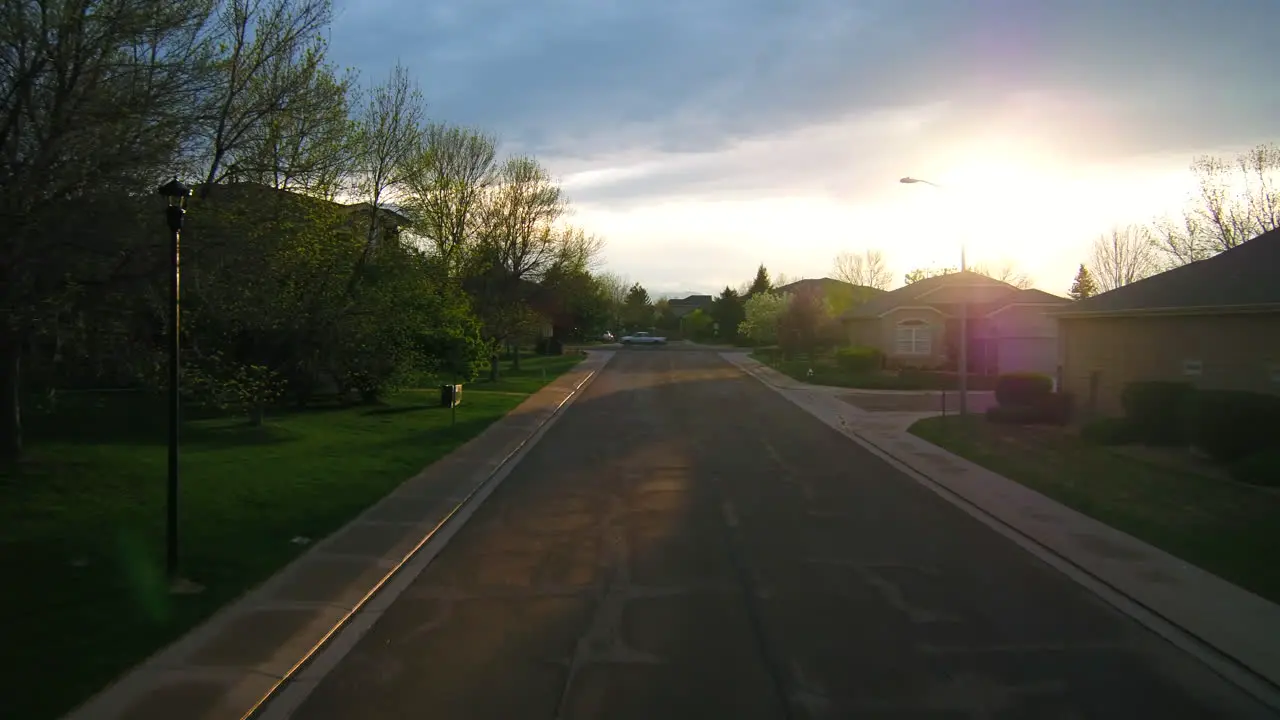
1029, 355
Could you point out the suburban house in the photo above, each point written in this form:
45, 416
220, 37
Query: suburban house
388, 222
839, 294
681, 307
918, 325
1214, 323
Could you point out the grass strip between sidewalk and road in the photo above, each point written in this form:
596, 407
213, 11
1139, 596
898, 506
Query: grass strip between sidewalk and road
1229, 529
82, 545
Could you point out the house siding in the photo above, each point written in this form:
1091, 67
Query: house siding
1235, 352
1026, 339
887, 337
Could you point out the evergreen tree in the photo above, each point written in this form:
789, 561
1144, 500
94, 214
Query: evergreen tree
762, 283
1084, 286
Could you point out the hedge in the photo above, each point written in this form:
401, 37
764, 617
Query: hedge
1157, 410
1050, 409
859, 359
1022, 389
1232, 424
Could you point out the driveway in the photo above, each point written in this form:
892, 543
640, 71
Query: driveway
932, 401
685, 543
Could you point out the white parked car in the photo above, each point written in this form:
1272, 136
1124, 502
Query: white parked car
607, 336
643, 338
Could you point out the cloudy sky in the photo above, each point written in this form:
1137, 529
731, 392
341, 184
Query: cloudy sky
704, 137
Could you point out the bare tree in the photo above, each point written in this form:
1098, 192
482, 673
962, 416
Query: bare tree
518, 237
1124, 256
518, 244
1178, 241
1006, 272
1234, 201
868, 269
388, 139
615, 286
445, 188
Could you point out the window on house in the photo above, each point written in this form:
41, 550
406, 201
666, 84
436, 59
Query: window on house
914, 338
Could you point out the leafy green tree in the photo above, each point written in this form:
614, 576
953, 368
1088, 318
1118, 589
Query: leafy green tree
447, 183
805, 323
88, 115
697, 325
1083, 286
761, 317
267, 72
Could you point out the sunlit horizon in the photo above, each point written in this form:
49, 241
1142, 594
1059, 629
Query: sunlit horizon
701, 141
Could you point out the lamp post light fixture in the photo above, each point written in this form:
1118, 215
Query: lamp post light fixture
176, 194
962, 365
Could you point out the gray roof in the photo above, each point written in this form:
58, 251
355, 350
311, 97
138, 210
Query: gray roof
1032, 295
1246, 276
692, 300
825, 283
907, 294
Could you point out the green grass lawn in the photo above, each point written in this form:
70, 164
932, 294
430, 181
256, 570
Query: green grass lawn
82, 539
1229, 529
825, 372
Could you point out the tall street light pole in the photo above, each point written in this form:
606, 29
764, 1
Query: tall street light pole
176, 194
962, 365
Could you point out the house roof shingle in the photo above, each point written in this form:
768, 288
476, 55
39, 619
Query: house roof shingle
824, 284
1245, 276
911, 295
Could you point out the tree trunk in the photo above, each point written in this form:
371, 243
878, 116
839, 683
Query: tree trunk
515, 357
256, 413
10, 397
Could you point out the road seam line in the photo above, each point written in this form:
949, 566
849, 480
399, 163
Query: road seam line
293, 688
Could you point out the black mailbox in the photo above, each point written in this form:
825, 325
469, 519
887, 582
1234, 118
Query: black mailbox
450, 395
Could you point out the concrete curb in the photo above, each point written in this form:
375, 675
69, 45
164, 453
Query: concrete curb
1226, 627
230, 666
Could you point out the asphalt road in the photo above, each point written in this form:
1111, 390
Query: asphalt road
685, 543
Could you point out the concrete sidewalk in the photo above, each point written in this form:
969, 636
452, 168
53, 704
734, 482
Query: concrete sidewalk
1234, 631
224, 668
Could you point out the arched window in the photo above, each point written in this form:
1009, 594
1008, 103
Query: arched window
914, 337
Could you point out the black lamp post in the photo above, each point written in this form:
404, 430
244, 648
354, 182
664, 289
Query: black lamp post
176, 193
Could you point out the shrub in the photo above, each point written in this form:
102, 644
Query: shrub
1022, 388
1232, 424
1156, 410
1260, 468
1051, 409
859, 359
1109, 431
